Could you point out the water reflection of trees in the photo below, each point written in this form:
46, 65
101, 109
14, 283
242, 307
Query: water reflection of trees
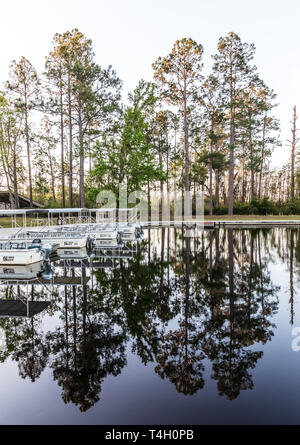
180, 303
86, 348
243, 316
216, 290
24, 337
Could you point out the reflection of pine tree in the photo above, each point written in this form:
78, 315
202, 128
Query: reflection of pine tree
25, 341
142, 289
88, 348
246, 305
179, 358
26, 344
291, 266
32, 352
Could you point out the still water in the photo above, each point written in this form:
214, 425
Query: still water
174, 330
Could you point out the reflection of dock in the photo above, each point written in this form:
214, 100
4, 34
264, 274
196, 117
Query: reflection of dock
56, 281
70, 281
215, 224
16, 308
100, 259
124, 253
93, 265
250, 224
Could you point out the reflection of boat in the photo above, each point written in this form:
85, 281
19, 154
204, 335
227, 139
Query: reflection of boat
18, 308
72, 253
37, 273
21, 272
129, 232
125, 253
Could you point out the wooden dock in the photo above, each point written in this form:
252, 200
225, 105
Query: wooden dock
255, 224
56, 281
223, 224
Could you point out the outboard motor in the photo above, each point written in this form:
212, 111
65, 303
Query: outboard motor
119, 238
46, 250
36, 244
90, 243
47, 272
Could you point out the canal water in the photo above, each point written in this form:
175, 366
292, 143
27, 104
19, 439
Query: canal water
174, 330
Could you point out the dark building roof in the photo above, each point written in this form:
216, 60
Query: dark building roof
23, 201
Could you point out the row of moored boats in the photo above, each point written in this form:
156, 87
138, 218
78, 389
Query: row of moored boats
35, 244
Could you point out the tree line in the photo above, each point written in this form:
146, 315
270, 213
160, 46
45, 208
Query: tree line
67, 133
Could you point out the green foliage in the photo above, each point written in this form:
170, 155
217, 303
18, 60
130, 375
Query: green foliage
262, 206
291, 207
128, 154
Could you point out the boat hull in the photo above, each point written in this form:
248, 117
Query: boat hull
21, 257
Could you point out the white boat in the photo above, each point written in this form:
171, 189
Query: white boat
107, 235
125, 221
105, 238
20, 254
108, 238
62, 240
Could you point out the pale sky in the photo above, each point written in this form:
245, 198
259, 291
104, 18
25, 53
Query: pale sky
131, 34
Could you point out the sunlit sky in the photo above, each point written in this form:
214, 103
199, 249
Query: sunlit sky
131, 34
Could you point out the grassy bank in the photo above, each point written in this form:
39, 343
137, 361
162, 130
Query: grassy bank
253, 218
5, 222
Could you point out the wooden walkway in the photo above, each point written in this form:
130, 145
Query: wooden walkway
223, 223
56, 281
255, 223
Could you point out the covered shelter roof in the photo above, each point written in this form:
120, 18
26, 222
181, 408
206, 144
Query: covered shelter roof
55, 211
16, 308
21, 212
23, 200
103, 209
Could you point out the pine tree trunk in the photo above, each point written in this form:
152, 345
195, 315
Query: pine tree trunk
186, 147
52, 176
15, 179
28, 154
262, 158
70, 145
294, 130
62, 149
211, 175
28, 148
231, 167
252, 181
81, 160
149, 201
217, 176
161, 184
292, 277
243, 182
